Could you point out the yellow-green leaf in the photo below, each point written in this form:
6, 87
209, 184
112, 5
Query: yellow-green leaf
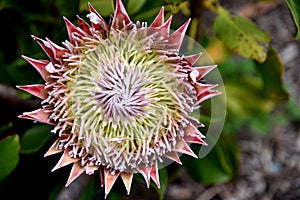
294, 6
245, 99
241, 35
9, 151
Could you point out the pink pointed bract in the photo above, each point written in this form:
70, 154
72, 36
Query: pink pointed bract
120, 97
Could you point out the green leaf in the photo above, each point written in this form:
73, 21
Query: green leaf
66, 8
22, 73
149, 11
272, 71
56, 190
163, 179
134, 6
104, 7
294, 6
241, 35
5, 127
35, 138
292, 110
248, 106
90, 191
114, 195
219, 166
245, 99
175, 1
9, 151
145, 16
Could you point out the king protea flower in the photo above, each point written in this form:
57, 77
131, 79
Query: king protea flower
120, 97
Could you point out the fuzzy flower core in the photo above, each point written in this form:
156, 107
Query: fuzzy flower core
120, 97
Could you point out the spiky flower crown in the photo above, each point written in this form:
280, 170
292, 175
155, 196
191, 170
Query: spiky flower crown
119, 96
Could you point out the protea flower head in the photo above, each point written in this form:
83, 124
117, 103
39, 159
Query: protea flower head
120, 96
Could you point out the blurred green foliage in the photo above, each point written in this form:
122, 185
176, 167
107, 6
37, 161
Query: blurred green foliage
253, 79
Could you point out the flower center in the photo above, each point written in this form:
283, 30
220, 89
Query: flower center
129, 100
122, 91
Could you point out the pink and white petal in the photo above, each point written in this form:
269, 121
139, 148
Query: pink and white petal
97, 21
109, 179
53, 149
195, 122
57, 50
127, 180
192, 59
84, 25
177, 36
102, 179
145, 171
46, 47
37, 90
207, 95
164, 29
72, 29
41, 115
191, 130
91, 169
194, 139
159, 19
76, 171
65, 160
40, 66
154, 175
183, 147
173, 156
202, 88
121, 17
204, 70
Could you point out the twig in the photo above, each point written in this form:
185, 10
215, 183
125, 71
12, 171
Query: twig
75, 190
251, 10
210, 192
9, 95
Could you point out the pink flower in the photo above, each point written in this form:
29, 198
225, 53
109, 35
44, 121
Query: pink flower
120, 97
